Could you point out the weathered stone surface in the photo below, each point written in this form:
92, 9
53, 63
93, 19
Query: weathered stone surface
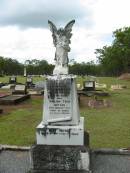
61, 40
57, 158
14, 161
47, 171
61, 135
110, 162
60, 101
19, 89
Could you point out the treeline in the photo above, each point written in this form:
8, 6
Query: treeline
112, 60
89, 68
38, 67
10, 66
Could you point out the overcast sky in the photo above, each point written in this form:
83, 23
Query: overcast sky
25, 34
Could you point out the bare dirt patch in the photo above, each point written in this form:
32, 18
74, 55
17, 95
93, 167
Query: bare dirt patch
94, 102
124, 76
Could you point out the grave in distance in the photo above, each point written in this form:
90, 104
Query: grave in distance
12, 80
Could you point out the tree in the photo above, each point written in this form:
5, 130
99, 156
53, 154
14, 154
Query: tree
122, 41
115, 59
10, 66
1, 65
110, 60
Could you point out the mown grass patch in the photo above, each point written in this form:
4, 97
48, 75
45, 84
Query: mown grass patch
20, 79
108, 127
18, 128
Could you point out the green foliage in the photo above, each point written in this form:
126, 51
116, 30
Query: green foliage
38, 67
10, 66
83, 68
115, 59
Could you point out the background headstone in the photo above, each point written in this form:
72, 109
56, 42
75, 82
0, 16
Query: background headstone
12, 80
20, 89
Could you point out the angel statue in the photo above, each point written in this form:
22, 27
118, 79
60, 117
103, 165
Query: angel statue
61, 40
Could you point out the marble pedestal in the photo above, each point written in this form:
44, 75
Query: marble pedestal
61, 158
61, 135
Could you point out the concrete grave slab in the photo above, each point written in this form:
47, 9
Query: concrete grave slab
13, 99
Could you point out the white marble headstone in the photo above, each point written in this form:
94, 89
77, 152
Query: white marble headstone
60, 101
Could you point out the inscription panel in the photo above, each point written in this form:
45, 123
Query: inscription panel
60, 107
60, 98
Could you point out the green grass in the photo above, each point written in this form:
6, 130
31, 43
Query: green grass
108, 127
18, 127
20, 79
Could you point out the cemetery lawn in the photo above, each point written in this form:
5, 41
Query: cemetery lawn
108, 127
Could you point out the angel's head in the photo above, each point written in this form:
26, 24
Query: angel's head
61, 32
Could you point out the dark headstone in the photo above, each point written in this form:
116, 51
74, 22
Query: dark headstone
2, 84
89, 86
13, 80
29, 82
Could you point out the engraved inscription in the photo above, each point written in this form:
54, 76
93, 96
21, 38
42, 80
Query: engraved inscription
59, 97
60, 106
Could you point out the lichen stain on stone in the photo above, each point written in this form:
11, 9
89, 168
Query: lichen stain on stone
52, 131
44, 131
57, 88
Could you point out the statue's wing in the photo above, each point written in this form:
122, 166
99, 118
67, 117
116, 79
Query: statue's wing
52, 27
68, 28
53, 30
